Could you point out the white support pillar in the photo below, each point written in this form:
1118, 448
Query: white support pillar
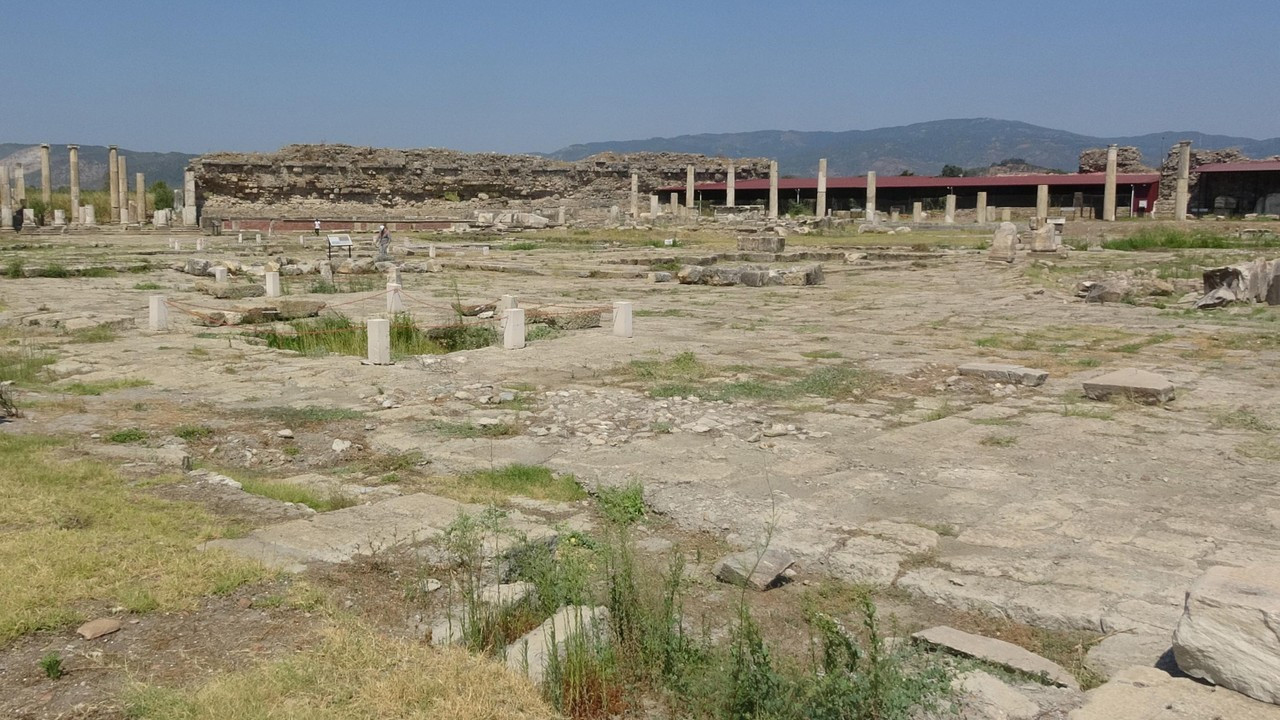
730, 186
655, 208
273, 284
1109, 189
820, 208
688, 187
622, 319
635, 196
982, 207
220, 275
513, 337
675, 204
379, 340
159, 319
870, 211
950, 214
395, 301
773, 189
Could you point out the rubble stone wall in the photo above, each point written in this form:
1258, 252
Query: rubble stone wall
347, 181
1128, 160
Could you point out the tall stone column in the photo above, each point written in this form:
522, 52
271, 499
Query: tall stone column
113, 182
982, 208
123, 198
189, 217
1109, 190
688, 187
820, 208
74, 151
917, 212
46, 183
654, 209
949, 215
1182, 192
870, 211
635, 196
773, 188
140, 192
6, 204
730, 186
19, 185
1042, 202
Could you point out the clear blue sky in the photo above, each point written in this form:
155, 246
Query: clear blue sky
522, 75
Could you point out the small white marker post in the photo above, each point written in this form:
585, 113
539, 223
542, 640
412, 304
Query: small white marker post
159, 320
395, 302
507, 302
177, 244
240, 237
257, 238
273, 284
199, 244
431, 250
513, 329
220, 275
379, 330
622, 319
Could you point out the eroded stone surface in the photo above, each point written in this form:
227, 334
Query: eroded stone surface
1150, 694
997, 652
1229, 633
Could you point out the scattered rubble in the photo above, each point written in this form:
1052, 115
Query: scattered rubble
751, 276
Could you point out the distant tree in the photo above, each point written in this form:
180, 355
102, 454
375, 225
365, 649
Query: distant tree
905, 173
162, 195
952, 171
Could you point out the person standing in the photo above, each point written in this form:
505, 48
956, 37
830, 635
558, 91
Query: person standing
317, 227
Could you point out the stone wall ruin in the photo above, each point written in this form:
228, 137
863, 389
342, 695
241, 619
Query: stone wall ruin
342, 180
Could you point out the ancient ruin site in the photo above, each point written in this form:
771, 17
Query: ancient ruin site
663, 361
1021, 458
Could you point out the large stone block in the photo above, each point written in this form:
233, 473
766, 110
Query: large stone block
1134, 384
1001, 372
754, 569
761, 243
1229, 633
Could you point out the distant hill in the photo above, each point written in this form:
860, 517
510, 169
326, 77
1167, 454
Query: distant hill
922, 148
93, 165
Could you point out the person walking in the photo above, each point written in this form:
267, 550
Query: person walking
317, 227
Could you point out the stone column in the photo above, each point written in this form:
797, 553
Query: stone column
379, 341
688, 187
1006, 214
950, 215
654, 209
773, 188
113, 181
635, 196
189, 217
730, 186
6, 204
870, 210
1182, 192
140, 192
622, 319
1042, 202
820, 208
1109, 190
513, 329
917, 212
74, 151
19, 184
982, 208
675, 204
46, 182
158, 321
123, 189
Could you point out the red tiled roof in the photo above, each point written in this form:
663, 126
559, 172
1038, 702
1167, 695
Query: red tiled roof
917, 181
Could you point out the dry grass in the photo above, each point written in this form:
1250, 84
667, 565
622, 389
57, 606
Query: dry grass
354, 674
75, 536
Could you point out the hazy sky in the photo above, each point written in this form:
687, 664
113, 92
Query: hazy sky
521, 75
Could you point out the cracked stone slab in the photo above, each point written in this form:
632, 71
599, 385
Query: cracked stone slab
997, 652
1138, 385
1005, 373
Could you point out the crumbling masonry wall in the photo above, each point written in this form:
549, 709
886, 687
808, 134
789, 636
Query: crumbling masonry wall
342, 180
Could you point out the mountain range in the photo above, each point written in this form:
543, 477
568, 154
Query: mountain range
921, 148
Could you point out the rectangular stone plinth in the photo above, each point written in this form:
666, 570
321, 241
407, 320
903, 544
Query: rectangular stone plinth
1134, 384
761, 243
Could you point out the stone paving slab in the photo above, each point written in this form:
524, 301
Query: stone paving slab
1137, 385
997, 652
1148, 694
